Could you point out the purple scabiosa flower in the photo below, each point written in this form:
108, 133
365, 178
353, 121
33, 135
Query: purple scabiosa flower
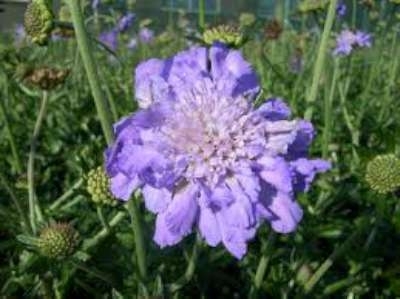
110, 39
341, 9
204, 157
126, 22
347, 40
146, 35
344, 43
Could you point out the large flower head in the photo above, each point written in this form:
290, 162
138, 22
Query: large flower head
205, 157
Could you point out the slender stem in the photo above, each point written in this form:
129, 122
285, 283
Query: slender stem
133, 210
329, 261
89, 243
59, 201
262, 265
328, 111
33, 204
201, 16
319, 64
102, 219
22, 216
17, 161
91, 70
191, 266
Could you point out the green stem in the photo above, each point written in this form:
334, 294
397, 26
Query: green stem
89, 243
102, 219
201, 15
59, 201
335, 255
33, 204
319, 64
191, 266
328, 111
22, 216
262, 265
17, 161
91, 70
136, 222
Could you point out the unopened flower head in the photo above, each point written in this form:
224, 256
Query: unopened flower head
58, 240
228, 35
45, 78
347, 40
205, 157
38, 21
98, 186
383, 173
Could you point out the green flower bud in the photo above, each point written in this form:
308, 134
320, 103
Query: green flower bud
58, 241
64, 14
383, 173
38, 21
247, 19
307, 6
98, 186
225, 34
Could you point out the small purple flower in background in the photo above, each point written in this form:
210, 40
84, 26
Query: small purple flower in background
19, 34
347, 40
132, 44
126, 22
205, 157
341, 9
110, 39
95, 4
146, 35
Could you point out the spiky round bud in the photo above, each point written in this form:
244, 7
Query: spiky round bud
383, 173
58, 240
225, 34
46, 78
38, 21
98, 186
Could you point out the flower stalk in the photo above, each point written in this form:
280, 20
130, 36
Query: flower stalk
91, 70
136, 222
319, 64
34, 209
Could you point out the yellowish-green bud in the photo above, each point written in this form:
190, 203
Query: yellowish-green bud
58, 241
224, 34
383, 173
307, 6
64, 14
38, 21
247, 19
98, 186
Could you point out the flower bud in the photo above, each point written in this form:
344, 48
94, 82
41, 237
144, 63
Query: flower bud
46, 78
58, 241
383, 173
38, 21
224, 34
98, 185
